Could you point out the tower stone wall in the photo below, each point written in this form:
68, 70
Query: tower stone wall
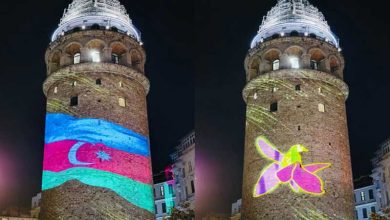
309, 111
112, 91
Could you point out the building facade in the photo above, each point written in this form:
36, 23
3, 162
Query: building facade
184, 170
164, 198
365, 202
297, 157
381, 174
236, 210
97, 161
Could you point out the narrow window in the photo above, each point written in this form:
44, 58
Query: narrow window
274, 89
115, 58
74, 101
95, 56
274, 107
162, 190
276, 65
98, 81
189, 167
298, 88
320, 90
76, 58
74, 83
314, 64
120, 84
333, 69
321, 107
170, 188
192, 186
370, 194
164, 207
155, 207
365, 213
362, 196
294, 62
299, 128
122, 102
373, 209
55, 90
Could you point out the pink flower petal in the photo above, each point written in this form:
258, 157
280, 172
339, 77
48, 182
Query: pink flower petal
285, 174
307, 181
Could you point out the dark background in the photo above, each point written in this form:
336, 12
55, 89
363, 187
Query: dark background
26, 29
225, 32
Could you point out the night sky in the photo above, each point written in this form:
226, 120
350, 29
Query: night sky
166, 28
225, 32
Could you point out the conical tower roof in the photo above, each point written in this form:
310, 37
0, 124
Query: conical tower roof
295, 15
105, 13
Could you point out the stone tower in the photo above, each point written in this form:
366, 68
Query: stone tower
97, 161
297, 158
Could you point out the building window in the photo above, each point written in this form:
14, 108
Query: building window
274, 107
98, 82
170, 188
74, 101
276, 65
274, 89
321, 107
314, 64
74, 83
371, 194
192, 186
120, 84
362, 196
294, 62
320, 90
373, 209
299, 128
55, 90
162, 190
298, 88
76, 58
115, 58
365, 213
95, 56
164, 207
122, 102
189, 166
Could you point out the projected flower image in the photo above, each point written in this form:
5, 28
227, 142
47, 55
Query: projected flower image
287, 168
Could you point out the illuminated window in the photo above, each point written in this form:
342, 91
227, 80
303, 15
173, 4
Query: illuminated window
294, 62
74, 83
74, 101
314, 64
365, 213
362, 196
274, 89
76, 58
373, 209
95, 56
164, 207
115, 58
276, 65
320, 90
98, 82
192, 186
162, 190
170, 188
120, 84
321, 107
370, 194
122, 102
55, 90
298, 88
274, 107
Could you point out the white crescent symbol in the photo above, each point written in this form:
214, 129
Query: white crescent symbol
72, 155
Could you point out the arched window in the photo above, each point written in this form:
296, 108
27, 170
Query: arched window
115, 58
95, 56
294, 61
76, 58
321, 107
314, 64
276, 65
294, 34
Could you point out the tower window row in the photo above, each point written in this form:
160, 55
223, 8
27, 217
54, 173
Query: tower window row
74, 101
274, 107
